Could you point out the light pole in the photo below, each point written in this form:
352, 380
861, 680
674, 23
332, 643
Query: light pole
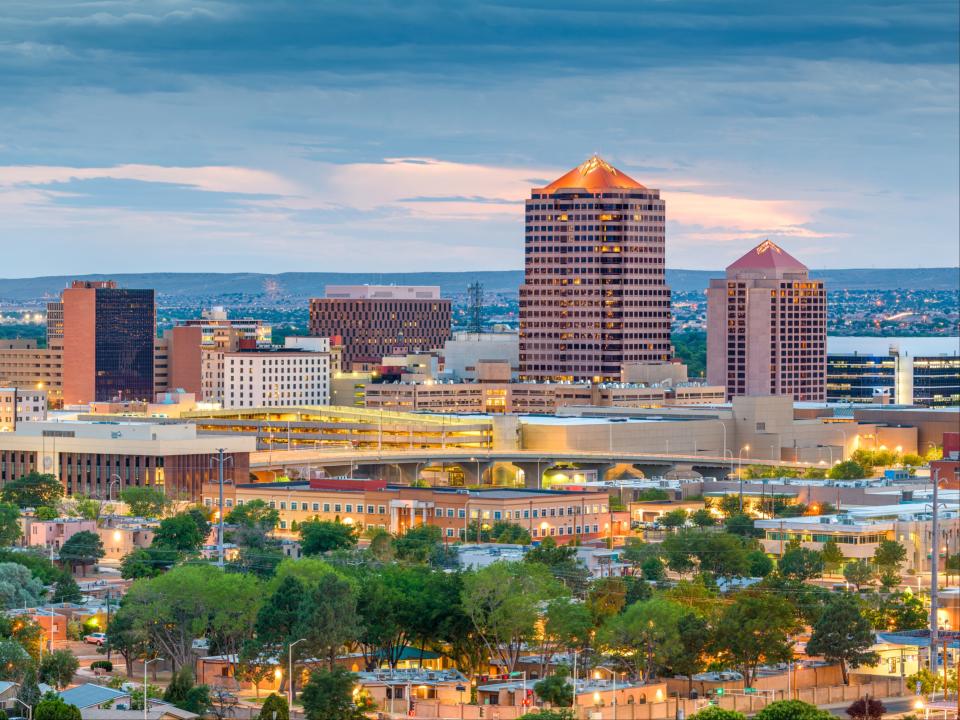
724, 427
118, 481
290, 672
145, 702
740, 472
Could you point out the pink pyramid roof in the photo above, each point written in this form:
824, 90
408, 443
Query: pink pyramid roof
767, 258
595, 174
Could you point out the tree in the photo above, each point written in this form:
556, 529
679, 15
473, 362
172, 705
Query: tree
801, 564
322, 536
57, 668
418, 545
274, 708
13, 660
18, 586
866, 708
329, 696
46, 513
646, 634
328, 618
889, 556
503, 602
556, 689
792, 710
86, 507
759, 563
29, 690
141, 563
183, 693
607, 597
652, 569
562, 563
179, 534
742, 525
843, 634
858, 573
254, 514
848, 470
201, 516
713, 712
674, 519
832, 555
66, 590
566, 625
82, 548
703, 518
754, 630
33, 490
9, 524
559, 714
53, 708
145, 501
690, 657
652, 495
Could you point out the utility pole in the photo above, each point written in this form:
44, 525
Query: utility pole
220, 459
934, 563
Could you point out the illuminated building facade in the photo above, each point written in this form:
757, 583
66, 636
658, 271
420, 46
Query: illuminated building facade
594, 296
767, 327
375, 321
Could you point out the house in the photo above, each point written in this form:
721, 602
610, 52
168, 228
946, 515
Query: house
158, 711
91, 695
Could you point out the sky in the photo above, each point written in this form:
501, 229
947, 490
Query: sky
371, 135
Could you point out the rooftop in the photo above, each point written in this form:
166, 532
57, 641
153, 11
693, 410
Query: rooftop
595, 174
769, 260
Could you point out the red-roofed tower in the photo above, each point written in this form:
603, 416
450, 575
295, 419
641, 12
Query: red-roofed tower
594, 296
767, 327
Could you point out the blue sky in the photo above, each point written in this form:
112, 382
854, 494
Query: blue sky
235, 135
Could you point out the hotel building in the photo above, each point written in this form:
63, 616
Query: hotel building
396, 508
108, 342
375, 321
594, 296
767, 327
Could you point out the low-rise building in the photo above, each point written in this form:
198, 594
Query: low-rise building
25, 366
368, 504
54, 533
121, 536
18, 406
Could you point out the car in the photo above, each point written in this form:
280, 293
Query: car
95, 639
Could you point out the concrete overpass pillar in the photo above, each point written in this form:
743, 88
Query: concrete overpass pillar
475, 471
532, 473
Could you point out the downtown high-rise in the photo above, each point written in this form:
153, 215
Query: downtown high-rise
594, 297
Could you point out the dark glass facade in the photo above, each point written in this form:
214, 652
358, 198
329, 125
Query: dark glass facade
860, 378
125, 332
936, 381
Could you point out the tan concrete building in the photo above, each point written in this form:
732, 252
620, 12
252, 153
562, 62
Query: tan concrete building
296, 374
100, 459
767, 327
25, 366
18, 406
594, 296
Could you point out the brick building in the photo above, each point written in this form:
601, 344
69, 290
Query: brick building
594, 296
767, 327
375, 321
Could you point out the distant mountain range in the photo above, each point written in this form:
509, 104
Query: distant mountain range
245, 288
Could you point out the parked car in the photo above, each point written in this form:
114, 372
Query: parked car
95, 639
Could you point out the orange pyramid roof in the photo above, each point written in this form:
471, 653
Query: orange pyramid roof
595, 174
768, 258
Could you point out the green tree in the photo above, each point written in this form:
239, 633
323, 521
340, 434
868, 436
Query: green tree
843, 634
53, 708
607, 597
82, 548
713, 712
566, 625
674, 519
29, 690
646, 634
9, 524
703, 518
46, 513
753, 630
329, 696
33, 490
690, 657
652, 495
182, 692
274, 704
179, 534
328, 618
832, 555
18, 586
503, 602
858, 573
792, 710
556, 689
13, 660
562, 562
141, 563
322, 536
145, 501
889, 556
418, 545
127, 638
86, 507
653, 569
801, 564
760, 564
66, 590
255, 514
848, 470
57, 668
743, 526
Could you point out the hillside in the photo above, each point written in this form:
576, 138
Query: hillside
175, 288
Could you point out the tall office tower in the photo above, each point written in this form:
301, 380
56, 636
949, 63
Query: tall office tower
108, 342
378, 320
594, 296
767, 327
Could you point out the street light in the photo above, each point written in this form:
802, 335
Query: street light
740, 472
145, 703
118, 481
290, 672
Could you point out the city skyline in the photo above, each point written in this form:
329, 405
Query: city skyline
182, 135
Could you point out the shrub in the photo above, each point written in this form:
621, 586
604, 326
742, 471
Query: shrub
105, 665
717, 713
792, 710
274, 704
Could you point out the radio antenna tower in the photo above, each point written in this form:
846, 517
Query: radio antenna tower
475, 309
